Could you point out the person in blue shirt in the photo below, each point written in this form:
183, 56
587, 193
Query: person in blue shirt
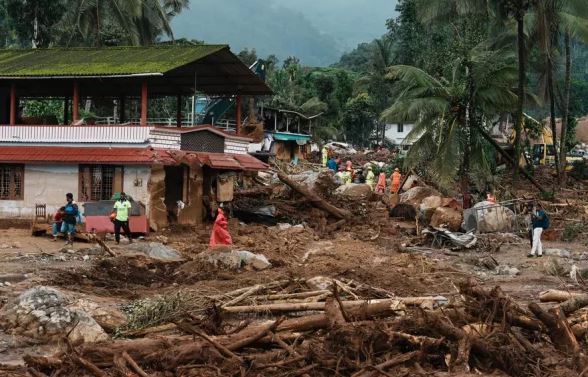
332, 164
70, 218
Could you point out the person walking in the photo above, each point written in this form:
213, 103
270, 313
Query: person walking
395, 184
121, 220
540, 222
70, 218
57, 223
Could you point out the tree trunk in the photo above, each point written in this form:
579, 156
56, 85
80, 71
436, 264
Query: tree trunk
499, 149
549, 62
566, 109
521, 93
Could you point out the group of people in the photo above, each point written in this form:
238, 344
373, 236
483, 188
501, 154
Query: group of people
67, 217
380, 186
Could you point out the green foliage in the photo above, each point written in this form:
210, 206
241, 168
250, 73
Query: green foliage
358, 119
247, 56
22, 16
572, 231
45, 108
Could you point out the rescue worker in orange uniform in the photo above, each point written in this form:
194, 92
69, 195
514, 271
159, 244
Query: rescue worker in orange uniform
381, 187
395, 186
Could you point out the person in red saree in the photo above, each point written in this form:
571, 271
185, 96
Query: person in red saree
220, 230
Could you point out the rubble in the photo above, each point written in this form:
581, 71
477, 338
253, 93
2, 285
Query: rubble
47, 314
355, 191
416, 195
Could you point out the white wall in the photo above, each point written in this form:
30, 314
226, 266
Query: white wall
43, 184
397, 137
135, 183
48, 184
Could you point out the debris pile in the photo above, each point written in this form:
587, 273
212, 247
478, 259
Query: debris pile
348, 329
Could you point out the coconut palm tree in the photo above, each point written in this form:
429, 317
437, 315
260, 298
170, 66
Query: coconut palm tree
141, 21
501, 12
448, 113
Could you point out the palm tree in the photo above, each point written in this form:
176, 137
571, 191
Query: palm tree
500, 11
552, 19
141, 21
448, 113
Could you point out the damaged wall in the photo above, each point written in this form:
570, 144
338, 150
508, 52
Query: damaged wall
192, 213
157, 212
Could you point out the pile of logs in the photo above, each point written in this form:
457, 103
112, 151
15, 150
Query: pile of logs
485, 332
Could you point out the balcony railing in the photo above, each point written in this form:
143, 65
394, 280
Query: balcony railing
116, 134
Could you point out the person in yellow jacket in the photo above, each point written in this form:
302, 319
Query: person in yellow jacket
370, 178
325, 155
395, 184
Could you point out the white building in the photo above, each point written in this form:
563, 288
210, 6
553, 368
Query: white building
396, 133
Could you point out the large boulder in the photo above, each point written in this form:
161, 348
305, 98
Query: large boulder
430, 204
46, 314
354, 191
415, 195
493, 218
445, 217
157, 251
234, 260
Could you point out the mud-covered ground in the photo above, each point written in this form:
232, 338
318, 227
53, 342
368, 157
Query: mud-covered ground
377, 259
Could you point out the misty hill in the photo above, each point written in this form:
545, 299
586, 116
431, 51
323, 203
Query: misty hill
316, 31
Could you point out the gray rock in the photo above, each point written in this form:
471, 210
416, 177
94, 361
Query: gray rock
562, 253
257, 261
44, 313
506, 270
283, 226
354, 191
235, 260
156, 250
94, 250
16, 245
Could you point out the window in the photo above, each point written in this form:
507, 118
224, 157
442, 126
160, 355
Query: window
11, 182
400, 128
99, 182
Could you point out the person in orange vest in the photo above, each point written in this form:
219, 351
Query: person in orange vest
396, 176
381, 187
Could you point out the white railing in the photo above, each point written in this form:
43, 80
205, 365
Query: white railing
123, 134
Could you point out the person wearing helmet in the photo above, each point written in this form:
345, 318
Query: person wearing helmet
395, 184
370, 178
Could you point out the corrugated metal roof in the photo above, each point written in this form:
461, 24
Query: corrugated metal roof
131, 134
81, 155
80, 62
221, 161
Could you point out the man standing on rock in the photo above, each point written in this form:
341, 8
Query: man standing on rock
540, 222
121, 219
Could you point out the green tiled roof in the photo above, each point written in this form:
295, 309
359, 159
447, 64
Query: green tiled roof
116, 61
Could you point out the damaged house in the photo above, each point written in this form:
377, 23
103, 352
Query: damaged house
169, 171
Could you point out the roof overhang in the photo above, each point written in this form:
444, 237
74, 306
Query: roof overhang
169, 70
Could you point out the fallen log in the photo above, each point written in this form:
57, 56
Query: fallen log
561, 334
573, 304
320, 306
396, 360
555, 295
316, 200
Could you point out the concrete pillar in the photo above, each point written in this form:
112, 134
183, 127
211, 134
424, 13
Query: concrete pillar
12, 104
75, 103
144, 103
179, 111
238, 115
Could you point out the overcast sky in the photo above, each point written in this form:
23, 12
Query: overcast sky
316, 31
